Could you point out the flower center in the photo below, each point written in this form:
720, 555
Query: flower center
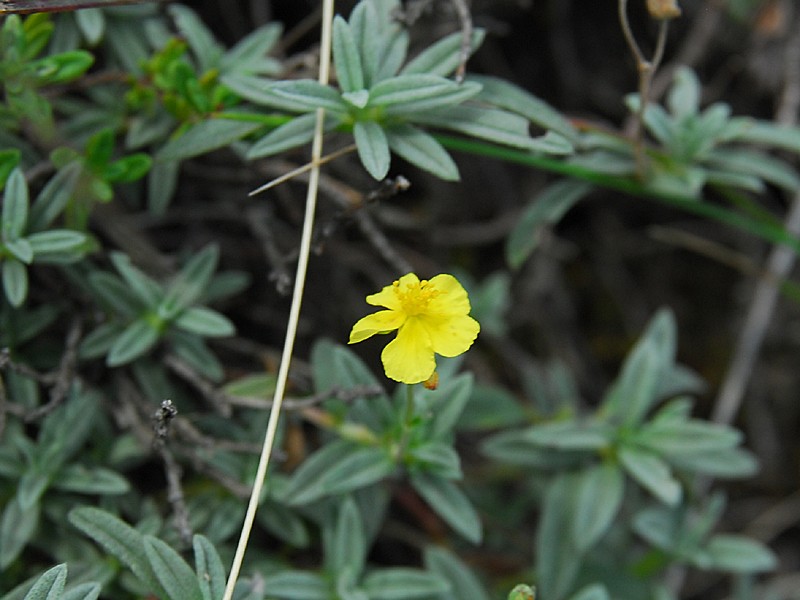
415, 296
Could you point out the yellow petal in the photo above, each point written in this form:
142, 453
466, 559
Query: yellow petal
380, 322
450, 336
452, 298
409, 357
388, 297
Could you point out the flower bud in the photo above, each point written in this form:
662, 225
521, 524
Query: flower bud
663, 9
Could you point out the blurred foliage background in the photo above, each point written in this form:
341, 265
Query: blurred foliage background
626, 424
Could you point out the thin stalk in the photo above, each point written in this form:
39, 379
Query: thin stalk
408, 419
646, 69
294, 313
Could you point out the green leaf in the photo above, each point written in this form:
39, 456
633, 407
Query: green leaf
410, 93
597, 501
596, 591
187, 287
249, 54
337, 467
687, 437
15, 281
447, 403
296, 132
54, 197
113, 294
767, 133
373, 148
438, 458
547, 208
491, 407
135, 341
176, 577
346, 545
758, 164
86, 480
206, 136
17, 528
443, 57
497, 126
127, 169
570, 435
119, 539
84, 591
209, 569
50, 585
99, 341
191, 348
307, 95
162, 181
9, 159
399, 583
651, 473
92, 24
32, 485
142, 286
683, 98
20, 249
728, 464
506, 95
636, 389
297, 585
205, 322
515, 447
258, 91
464, 584
198, 36
63, 67
422, 150
450, 503
257, 385
558, 560
285, 524
15, 206
58, 242
739, 554
346, 57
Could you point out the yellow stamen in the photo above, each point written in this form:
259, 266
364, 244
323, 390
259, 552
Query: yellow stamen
415, 297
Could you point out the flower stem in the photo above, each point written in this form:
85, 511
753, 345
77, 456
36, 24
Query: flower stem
408, 419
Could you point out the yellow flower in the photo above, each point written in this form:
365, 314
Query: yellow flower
431, 316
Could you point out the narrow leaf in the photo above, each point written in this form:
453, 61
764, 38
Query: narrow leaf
15, 206
547, 208
175, 576
204, 137
121, 540
651, 473
15, 281
346, 57
135, 341
597, 501
209, 568
464, 584
443, 57
205, 321
450, 503
50, 585
399, 583
373, 148
422, 150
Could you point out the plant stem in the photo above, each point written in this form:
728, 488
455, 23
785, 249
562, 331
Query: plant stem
294, 313
646, 69
408, 419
